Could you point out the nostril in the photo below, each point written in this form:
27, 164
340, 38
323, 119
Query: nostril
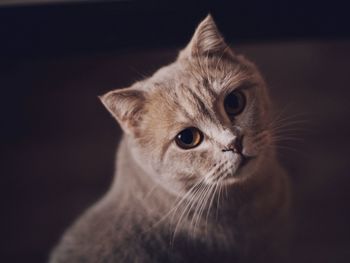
235, 146
238, 145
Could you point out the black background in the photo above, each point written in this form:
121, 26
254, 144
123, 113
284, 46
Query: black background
58, 142
68, 28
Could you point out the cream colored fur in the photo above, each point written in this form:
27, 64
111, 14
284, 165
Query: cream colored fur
199, 205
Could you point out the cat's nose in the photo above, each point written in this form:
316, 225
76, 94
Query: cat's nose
234, 146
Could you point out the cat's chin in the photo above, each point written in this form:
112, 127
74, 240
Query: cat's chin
244, 169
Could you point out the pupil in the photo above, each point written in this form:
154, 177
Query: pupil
186, 136
232, 101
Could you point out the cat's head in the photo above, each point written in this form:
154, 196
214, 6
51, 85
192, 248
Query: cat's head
202, 118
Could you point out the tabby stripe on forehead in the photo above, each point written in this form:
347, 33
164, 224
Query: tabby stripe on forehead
206, 89
178, 105
202, 107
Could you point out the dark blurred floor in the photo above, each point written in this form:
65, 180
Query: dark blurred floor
58, 142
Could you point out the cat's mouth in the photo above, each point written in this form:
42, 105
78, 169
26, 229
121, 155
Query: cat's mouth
229, 171
238, 171
245, 160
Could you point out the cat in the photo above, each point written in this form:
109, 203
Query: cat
197, 177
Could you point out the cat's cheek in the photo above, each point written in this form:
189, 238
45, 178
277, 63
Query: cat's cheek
253, 146
249, 169
250, 148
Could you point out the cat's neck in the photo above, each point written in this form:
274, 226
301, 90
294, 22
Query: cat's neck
133, 184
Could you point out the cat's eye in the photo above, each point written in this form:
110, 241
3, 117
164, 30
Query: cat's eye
189, 138
234, 103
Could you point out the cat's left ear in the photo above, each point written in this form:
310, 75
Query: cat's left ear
126, 106
206, 40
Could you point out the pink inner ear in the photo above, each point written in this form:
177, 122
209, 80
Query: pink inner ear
125, 105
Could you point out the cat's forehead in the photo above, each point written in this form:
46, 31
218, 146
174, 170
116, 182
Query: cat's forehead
188, 92
211, 75
197, 81
180, 101
178, 88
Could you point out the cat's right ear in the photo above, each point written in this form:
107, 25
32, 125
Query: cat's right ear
126, 106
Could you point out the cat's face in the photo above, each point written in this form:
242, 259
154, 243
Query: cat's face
201, 119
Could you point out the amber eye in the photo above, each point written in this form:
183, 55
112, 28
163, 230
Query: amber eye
234, 103
189, 138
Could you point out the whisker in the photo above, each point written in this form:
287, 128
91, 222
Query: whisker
288, 130
204, 205
293, 123
286, 138
218, 201
199, 204
283, 147
150, 192
186, 210
282, 115
210, 204
178, 203
201, 207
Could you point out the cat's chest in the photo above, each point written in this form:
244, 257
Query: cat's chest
183, 248
162, 245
